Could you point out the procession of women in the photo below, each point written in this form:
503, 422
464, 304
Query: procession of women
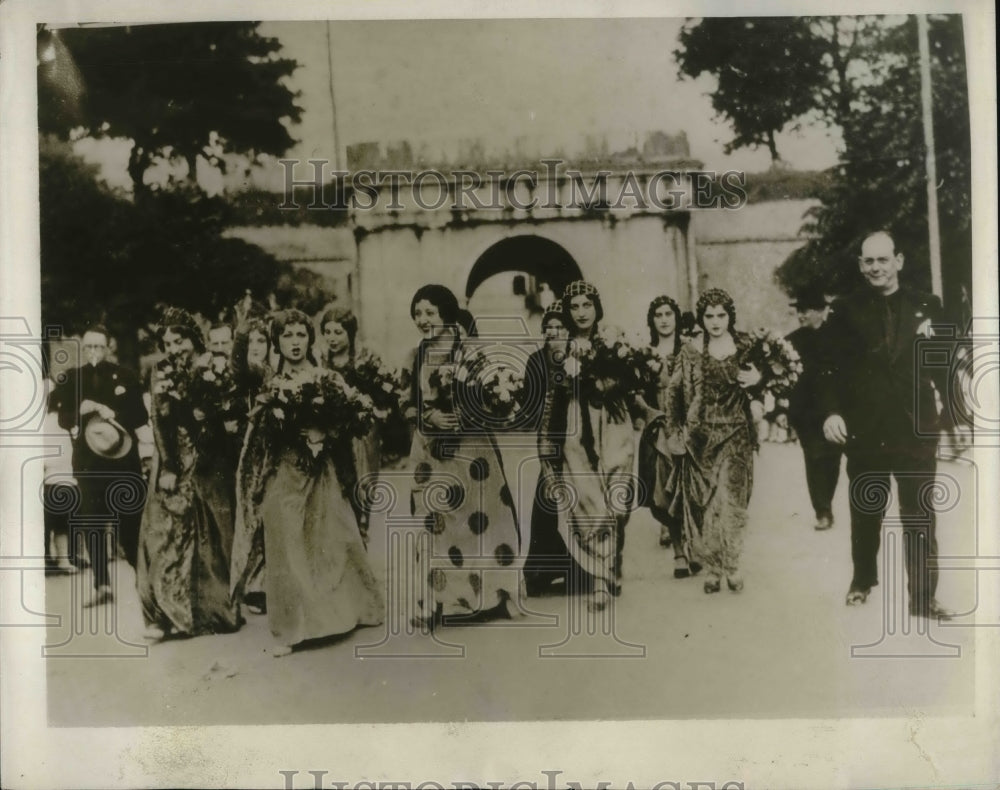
260, 493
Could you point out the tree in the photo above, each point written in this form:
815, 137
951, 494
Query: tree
880, 181
106, 259
181, 92
768, 72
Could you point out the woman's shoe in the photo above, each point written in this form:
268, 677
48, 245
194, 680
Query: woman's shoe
281, 651
598, 601
695, 568
664, 537
735, 583
154, 634
681, 568
713, 585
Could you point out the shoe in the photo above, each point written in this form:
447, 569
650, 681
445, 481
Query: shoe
712, 585
281, 651
857, 597
695, 567
823, 522
933, 611
664, 537
734, 583
102, 595
66, 569
154, 634
598, 601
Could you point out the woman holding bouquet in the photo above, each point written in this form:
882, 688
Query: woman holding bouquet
187, 527
588, 433
366, 372
459, 489
709, 411
251, 366
294, 483
656, 464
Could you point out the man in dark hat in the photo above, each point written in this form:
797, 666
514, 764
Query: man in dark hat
804, 412
880, 406
101, 404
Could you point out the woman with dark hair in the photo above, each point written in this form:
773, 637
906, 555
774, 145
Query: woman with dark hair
656, 461
590, 438
251, 368
548, 561
708, 403
459, 488
187, 526
339, 326
294, 487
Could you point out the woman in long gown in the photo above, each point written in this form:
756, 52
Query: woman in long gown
187, 526
656, 465
251, 365
594, 444
709, 399
294, 488
340, 330
459, 488
548, 561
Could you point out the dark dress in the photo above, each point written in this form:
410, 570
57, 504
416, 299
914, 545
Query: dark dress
548, 559
187, 532
714, 479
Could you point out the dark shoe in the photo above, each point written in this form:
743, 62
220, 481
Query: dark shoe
824, 522
712, 585
695, 568
857, 597
102, 595
933, 611
664, 537
681, 568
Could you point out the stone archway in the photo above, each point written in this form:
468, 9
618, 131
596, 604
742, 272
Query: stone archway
537, 256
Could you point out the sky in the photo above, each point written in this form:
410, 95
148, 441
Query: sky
551, 83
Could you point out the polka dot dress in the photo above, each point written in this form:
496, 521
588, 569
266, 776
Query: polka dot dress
461, 495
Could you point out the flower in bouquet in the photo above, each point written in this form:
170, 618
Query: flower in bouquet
378, 381
501, 389
776, 359
210, 387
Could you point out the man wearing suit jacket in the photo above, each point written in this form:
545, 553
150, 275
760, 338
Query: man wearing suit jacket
101, 404
804, 411
880, 406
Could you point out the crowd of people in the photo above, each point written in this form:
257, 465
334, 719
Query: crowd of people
267, 444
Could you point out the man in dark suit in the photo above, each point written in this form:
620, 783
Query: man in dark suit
101, 404
880, 407
804, 413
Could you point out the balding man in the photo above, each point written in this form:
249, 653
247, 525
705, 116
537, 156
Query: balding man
880, 406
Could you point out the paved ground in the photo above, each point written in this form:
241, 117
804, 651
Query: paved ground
782, 648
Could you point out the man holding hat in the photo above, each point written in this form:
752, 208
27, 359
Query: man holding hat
805, 414
101, 404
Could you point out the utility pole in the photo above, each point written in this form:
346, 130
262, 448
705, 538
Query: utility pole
933, 227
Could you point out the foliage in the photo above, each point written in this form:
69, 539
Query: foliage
881, 180
106, 259
752, 60
187, 92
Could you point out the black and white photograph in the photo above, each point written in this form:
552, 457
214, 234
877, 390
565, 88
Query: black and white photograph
500, 396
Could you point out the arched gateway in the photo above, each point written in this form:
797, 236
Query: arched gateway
629, 253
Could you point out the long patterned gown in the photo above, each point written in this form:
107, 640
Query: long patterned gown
715, 477
460, 494
187, 532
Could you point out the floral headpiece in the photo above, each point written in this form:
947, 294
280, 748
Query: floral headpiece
716, 296
177, 318
580, 288
659, 301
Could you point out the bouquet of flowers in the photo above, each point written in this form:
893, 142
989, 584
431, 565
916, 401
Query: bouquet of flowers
486, 391
776, 359
371, 376
611, 371
211, 389
310, 411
